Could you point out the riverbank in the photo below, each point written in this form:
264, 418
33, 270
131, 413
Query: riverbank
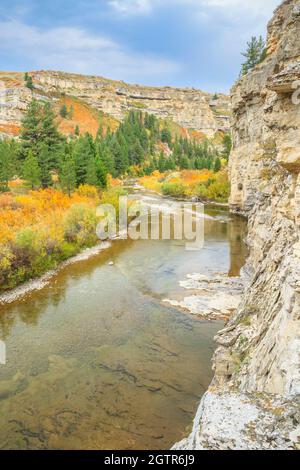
40, 230
97, 343
201, 185
39, 283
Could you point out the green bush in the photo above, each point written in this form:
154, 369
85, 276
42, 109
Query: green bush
214, 190
67, 250
174, 189
80, 225
219, 191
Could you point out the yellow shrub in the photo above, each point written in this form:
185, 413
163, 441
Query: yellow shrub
86, 190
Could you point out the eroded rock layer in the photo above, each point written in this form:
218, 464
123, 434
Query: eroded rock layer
189, 108
253, 402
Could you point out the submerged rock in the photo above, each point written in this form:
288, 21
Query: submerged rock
215, 297
9, 387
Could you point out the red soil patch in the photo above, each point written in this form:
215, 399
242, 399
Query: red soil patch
10, 129
83, 116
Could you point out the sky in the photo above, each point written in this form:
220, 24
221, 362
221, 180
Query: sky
183, 43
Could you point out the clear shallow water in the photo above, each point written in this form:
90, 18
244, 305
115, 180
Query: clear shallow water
97, 361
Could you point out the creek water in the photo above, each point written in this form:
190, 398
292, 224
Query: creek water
96, 360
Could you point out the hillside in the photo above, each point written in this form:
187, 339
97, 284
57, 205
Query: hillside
96, 100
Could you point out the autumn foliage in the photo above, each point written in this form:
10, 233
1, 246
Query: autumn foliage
204, 184
40, 229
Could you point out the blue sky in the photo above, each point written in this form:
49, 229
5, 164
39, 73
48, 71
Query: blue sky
186, 43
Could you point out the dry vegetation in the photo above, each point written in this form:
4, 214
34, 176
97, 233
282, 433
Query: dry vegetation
204, 184
40, 229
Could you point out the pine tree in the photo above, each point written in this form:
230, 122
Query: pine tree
84, 151
32, 171
255, 54
67, 174
39, 129
137, 153
77, 131
217, 165
121, 163
101, 173
184, 163
166, 136
7, 165
91, 172
106, 156
63, 111
44, 160
28, 81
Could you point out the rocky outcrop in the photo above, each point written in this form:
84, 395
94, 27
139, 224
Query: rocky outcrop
189, 108
254, 401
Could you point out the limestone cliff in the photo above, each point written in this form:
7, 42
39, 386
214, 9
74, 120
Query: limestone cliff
189, 108
254, 400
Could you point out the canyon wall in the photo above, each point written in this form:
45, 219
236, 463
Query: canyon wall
254, 400
189, 108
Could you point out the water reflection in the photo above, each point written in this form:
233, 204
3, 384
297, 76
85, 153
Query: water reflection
95, 360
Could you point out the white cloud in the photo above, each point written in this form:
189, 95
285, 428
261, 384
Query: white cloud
76, 50
131, 7
231, 8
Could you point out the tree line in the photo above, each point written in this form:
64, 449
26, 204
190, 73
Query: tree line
139, 146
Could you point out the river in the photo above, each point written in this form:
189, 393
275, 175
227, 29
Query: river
96, 360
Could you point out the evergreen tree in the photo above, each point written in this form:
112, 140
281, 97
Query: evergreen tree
137, 153
217, 165
39, 129
255, 54
77, 131
166, 136
32, 171
101, 171
28, 81
45, 165
105, 155
184, 162
91, 172
121, 164
67, 174
84, 151
63, 111
7, 164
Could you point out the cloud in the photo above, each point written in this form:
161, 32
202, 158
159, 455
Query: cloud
131, 7
232, 8
74, 49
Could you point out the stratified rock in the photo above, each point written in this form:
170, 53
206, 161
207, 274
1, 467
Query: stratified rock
254, 400
189, 108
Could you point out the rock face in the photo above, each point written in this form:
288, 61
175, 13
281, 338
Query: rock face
189, 108
254, 401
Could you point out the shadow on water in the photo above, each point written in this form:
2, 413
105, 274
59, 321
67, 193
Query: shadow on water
95, 360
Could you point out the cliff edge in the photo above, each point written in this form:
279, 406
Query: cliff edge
92, 97
254, 400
